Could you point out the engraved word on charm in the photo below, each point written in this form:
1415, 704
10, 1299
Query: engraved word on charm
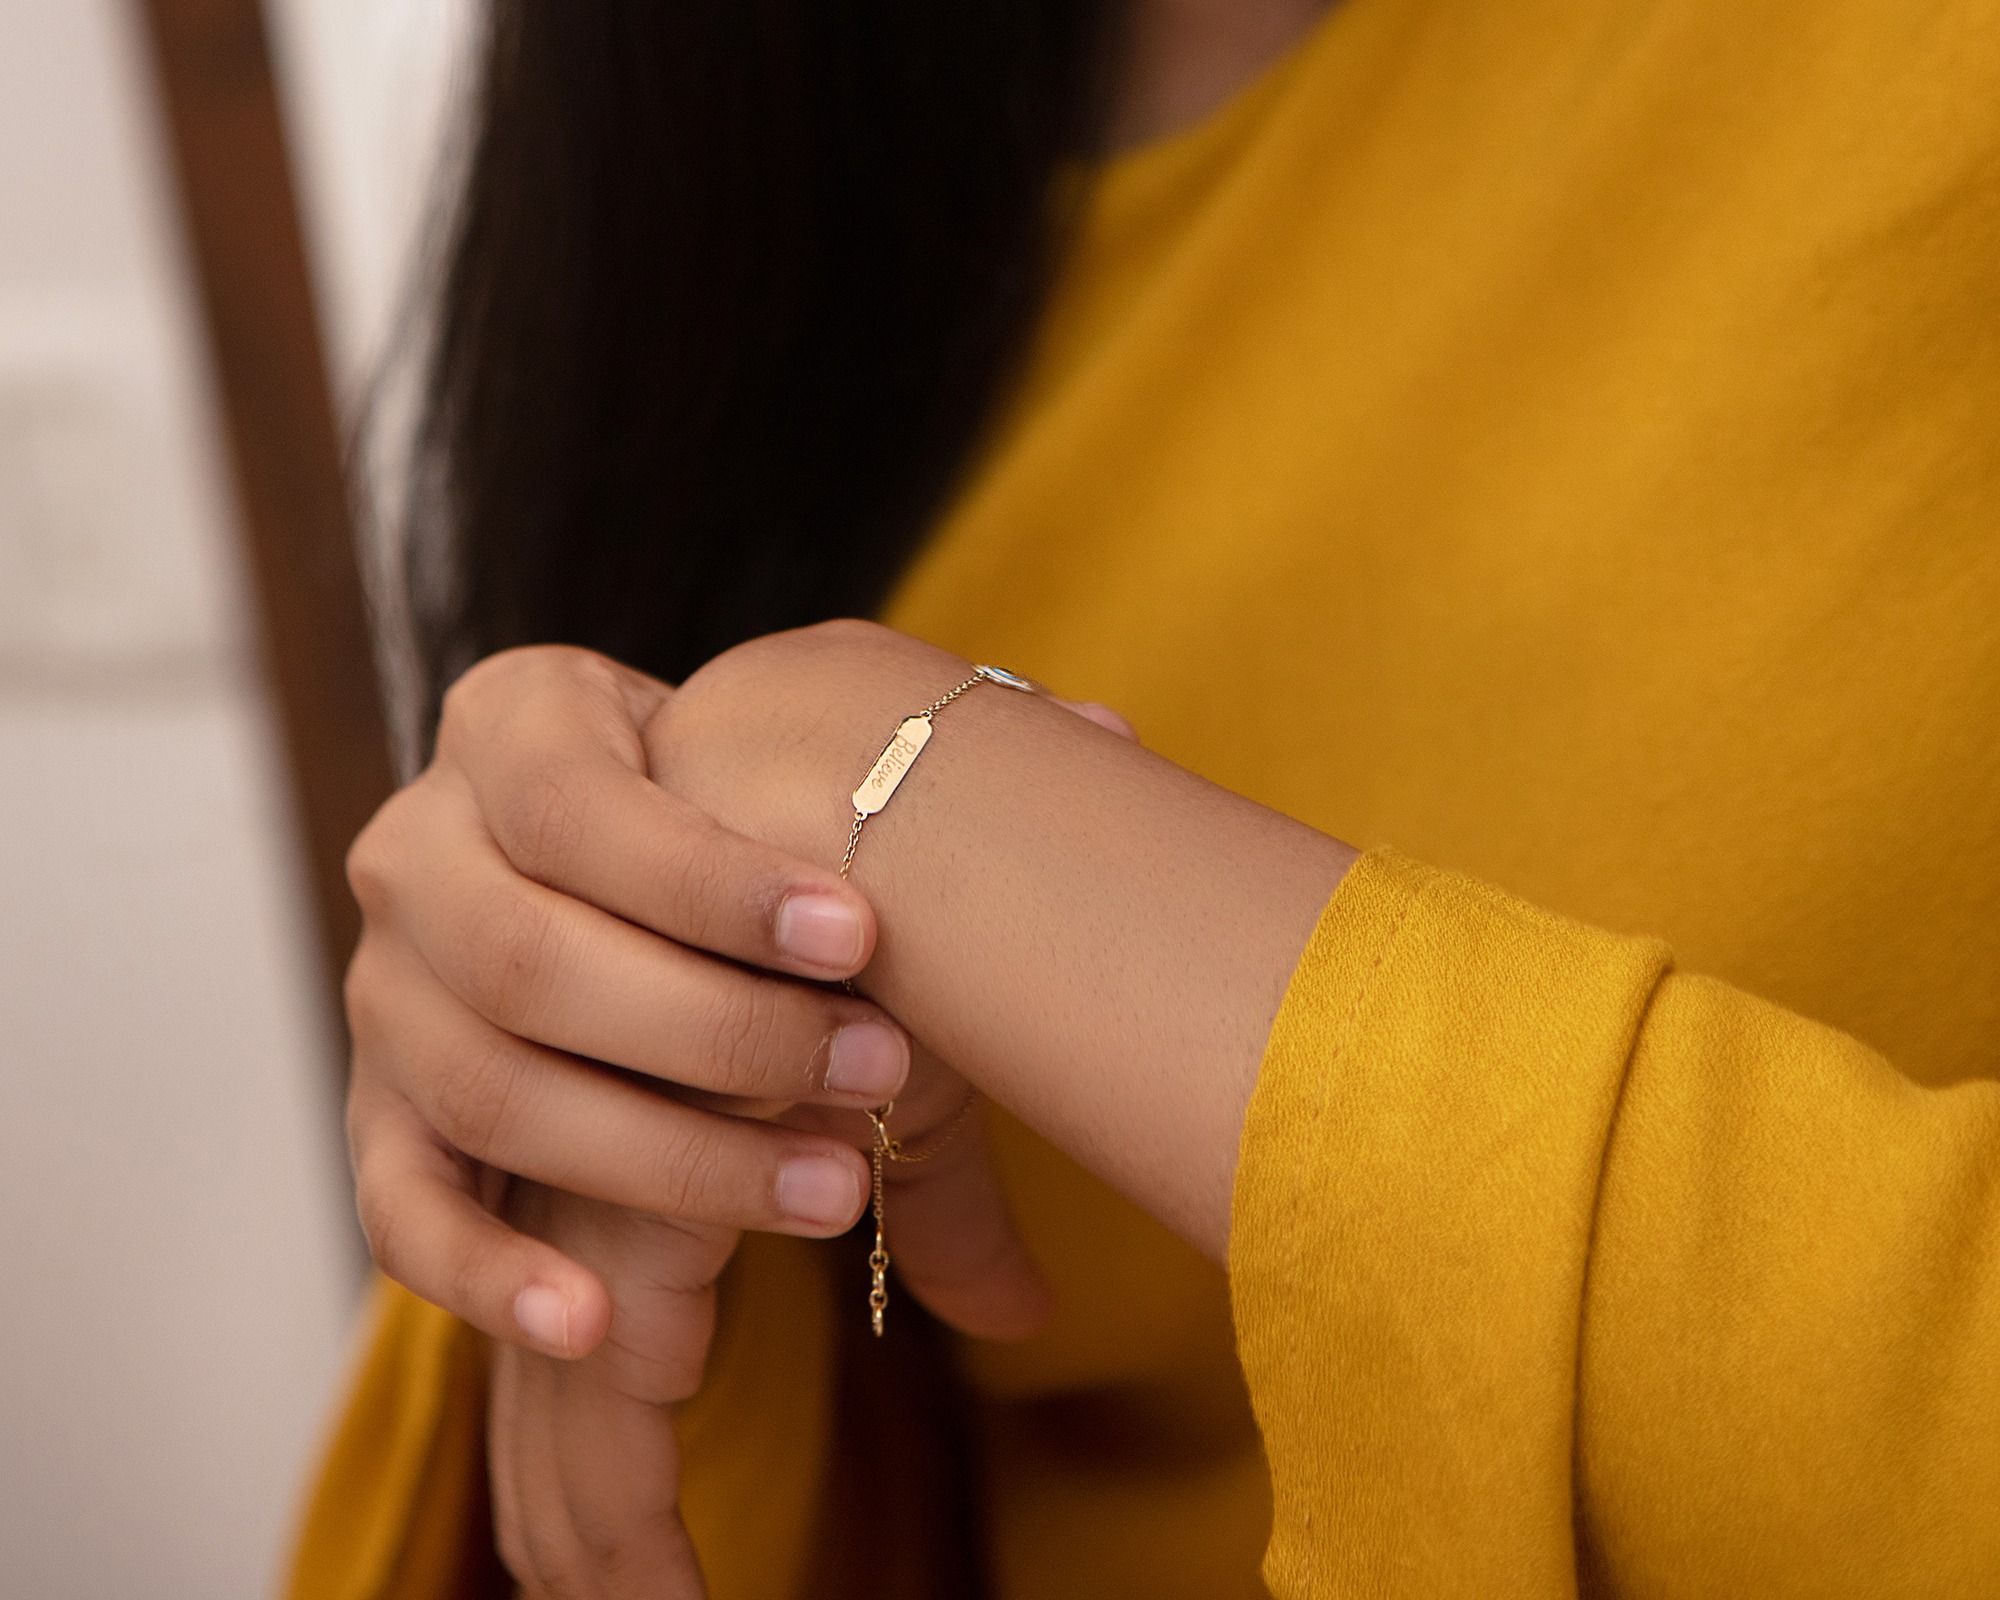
890, 768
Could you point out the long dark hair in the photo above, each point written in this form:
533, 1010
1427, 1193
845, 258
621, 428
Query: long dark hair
732, 288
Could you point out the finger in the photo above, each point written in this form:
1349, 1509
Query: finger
1102, 715
537, 1543
548, 740
563, 1122
428, 1231
952, 1238
504, 1464
619, 1467
610, 1526
551, 968
661, 1275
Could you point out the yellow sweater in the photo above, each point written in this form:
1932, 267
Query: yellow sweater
1561, 440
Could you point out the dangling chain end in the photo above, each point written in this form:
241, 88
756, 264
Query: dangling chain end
878, 1258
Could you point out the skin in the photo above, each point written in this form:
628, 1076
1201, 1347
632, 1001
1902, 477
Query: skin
1095, 938
590, 874
1099, 941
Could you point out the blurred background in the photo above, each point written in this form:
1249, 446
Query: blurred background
179, 1267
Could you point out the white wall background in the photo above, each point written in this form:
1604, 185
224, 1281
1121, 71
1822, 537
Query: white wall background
176, 1260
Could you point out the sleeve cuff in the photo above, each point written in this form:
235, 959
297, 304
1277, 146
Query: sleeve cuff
1411, 1222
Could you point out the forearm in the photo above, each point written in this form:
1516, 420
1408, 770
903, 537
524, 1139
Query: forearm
1096, 938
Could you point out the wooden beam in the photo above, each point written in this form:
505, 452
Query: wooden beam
220, 106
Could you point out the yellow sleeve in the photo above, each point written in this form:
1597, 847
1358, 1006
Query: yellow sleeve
1555, 1269
400, 1510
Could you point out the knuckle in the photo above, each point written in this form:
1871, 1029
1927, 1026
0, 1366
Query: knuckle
405, 829
494, 691
658, 1355
746, 1038
370, 861
690, 1177
541, 822
473, 1098
503, 973
701, 881
660, 1377
490, 678
498, 684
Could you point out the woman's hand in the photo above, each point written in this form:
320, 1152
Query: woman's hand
534, 904
583, 1456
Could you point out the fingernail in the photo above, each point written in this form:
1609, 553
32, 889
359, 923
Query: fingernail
867, 1058
819, 1190
820, 930
543, 1315
1107, 719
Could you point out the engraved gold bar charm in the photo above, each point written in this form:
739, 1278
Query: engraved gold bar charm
897, 757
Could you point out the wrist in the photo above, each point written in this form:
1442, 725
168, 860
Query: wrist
1094, 937
771, 738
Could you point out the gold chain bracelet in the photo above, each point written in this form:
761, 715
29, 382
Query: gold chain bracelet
890, 769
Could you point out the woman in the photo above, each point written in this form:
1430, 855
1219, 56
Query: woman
1557, 442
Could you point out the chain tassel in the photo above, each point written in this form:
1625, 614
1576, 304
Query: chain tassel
878, 1258
887, 1148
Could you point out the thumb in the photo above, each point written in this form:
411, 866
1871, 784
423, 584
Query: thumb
953, 1241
